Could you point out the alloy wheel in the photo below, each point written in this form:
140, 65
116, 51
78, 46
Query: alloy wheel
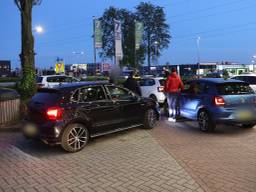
77, 138
151, 118
203, 121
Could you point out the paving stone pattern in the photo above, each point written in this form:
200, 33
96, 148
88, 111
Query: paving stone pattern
224, 161
126, 162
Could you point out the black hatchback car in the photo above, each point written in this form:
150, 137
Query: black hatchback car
71, 114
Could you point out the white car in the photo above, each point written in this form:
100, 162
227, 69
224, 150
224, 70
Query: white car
50, 81
153, 87
249, 78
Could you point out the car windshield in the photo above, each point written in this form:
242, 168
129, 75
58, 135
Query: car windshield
234, 89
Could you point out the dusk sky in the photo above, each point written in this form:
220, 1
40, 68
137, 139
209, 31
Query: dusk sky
226, 29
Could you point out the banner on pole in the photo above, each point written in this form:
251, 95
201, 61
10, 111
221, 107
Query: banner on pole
118, 40
97, 34
139, 29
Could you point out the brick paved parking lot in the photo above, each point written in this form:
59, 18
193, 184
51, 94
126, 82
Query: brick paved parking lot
220, 161
171, 157
128, 161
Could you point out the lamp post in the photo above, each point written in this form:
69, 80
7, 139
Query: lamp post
156, 43
39, 30
198, 53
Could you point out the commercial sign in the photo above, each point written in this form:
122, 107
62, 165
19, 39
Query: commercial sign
118, 40
97, 34
139, 29
59, 67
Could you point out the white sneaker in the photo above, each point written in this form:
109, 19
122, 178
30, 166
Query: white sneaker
171, 119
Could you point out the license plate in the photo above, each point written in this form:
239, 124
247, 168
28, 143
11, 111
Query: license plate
245, 115
30, 130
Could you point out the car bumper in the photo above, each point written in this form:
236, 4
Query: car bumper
49, 132
161, 98
241, 116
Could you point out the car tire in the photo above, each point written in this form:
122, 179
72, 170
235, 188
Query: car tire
205, 122
75, 137
149, 119
248, 126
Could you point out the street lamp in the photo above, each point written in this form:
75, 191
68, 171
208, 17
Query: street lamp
198, 53
156, 43
38, 29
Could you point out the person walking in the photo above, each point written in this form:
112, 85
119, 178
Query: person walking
172, 88
132, 84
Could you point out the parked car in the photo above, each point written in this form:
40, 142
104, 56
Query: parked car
249, 78
54, 80
214, 100
71, 114
153, 87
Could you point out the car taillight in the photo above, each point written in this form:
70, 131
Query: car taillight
40, 85
160, 89
54, 113
219, 101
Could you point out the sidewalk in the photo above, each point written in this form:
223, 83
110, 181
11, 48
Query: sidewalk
131, 161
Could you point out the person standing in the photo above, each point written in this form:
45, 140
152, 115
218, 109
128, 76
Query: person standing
132, 84
172, 88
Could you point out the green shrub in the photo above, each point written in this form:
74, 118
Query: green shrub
9, 79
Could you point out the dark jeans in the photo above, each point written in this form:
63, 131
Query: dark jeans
173, 104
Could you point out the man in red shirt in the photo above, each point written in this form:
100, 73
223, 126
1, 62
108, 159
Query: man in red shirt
172, 88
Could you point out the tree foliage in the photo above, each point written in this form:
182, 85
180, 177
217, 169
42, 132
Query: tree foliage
155, 28
27, 86
127, 19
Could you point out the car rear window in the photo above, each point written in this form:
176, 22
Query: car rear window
234, 89
47, 97
147, 82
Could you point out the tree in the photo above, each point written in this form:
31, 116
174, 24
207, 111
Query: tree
127, 19
27, 86
155, 29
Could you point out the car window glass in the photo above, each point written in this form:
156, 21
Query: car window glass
89, 94
251, 80
118, 93
187, 87
147, 82
234, 89
75, 96
55, 79
39, 79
